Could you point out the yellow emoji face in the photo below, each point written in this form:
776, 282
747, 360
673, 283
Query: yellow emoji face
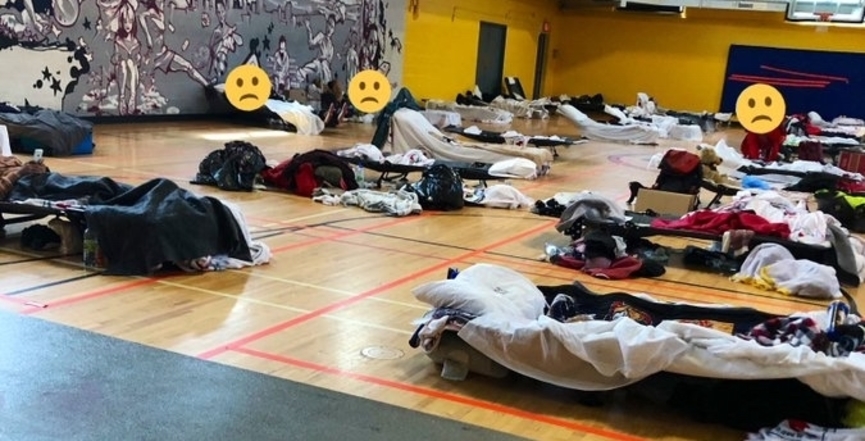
760, 108
247, 87
369, 91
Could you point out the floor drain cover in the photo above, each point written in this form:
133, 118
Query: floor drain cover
382, 353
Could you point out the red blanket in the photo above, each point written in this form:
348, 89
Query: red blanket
717, 223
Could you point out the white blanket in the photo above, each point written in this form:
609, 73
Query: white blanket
298, 115
604, 355
5, 146
411, 130
488, 115
633, 133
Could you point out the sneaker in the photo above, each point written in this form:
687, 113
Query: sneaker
328, 117
342, 112
453, 273
562, 308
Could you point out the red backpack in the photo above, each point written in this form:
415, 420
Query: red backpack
681, 172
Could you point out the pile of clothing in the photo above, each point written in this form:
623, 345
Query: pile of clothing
792, 430
12, 169
604, 256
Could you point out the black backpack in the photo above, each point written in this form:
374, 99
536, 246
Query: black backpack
440, 188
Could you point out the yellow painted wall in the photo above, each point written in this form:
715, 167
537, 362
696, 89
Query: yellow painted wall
441, 43
679, 61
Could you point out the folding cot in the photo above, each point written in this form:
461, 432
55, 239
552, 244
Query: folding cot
21, 213
492, 320
640, 226
389, 172
490, 137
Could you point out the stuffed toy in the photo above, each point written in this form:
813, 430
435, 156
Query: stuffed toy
711, 161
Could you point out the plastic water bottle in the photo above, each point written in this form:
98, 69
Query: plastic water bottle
93, 257
359, 176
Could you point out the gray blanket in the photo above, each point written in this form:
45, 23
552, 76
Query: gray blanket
59, 132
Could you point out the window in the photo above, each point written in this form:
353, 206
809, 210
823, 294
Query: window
843, 11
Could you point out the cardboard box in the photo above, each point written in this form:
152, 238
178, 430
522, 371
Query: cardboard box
665, 203
853, 161
297, 95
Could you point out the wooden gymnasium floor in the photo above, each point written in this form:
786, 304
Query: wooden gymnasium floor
343, 283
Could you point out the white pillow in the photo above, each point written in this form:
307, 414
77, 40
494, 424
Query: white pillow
518, 167
484, 288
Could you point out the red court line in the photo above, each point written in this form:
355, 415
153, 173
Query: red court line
789, 80
374, 291
340, 235
647, 287
803, 74
576, 275
91, 295
778, 83
437, 394
15, 300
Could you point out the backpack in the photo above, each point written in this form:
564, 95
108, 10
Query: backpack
440, 188
680, 172
234, 168
849, 210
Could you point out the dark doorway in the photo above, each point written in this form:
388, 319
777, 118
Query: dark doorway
491, 59
540, 65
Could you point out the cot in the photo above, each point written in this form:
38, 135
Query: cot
639, 226
490, 137
390, 172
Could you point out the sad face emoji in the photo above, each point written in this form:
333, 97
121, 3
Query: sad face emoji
760, 108
247, 87
369, 91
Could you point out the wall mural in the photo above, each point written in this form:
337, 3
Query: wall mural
132, 57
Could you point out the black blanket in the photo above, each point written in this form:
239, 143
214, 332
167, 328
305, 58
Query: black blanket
140, 228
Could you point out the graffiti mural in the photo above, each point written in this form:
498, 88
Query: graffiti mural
136, 57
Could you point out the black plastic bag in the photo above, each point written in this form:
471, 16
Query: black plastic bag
440, 188
233, 168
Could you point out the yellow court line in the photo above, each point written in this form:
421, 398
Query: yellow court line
333, 290
79, 162
283, 307
154, 174
311, 216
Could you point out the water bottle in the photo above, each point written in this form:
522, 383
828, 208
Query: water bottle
359, 175
90, 248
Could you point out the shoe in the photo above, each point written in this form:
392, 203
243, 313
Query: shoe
453, 273
562, 308
725, 241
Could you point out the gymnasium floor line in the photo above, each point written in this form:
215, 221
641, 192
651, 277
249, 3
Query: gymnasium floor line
35, 259
246, 299
35, 307
711, 291
274, 222
429, 256
432, 393
67, 301
369, 293
257, 275
571, 275
532, 263
51, 284
376, 226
